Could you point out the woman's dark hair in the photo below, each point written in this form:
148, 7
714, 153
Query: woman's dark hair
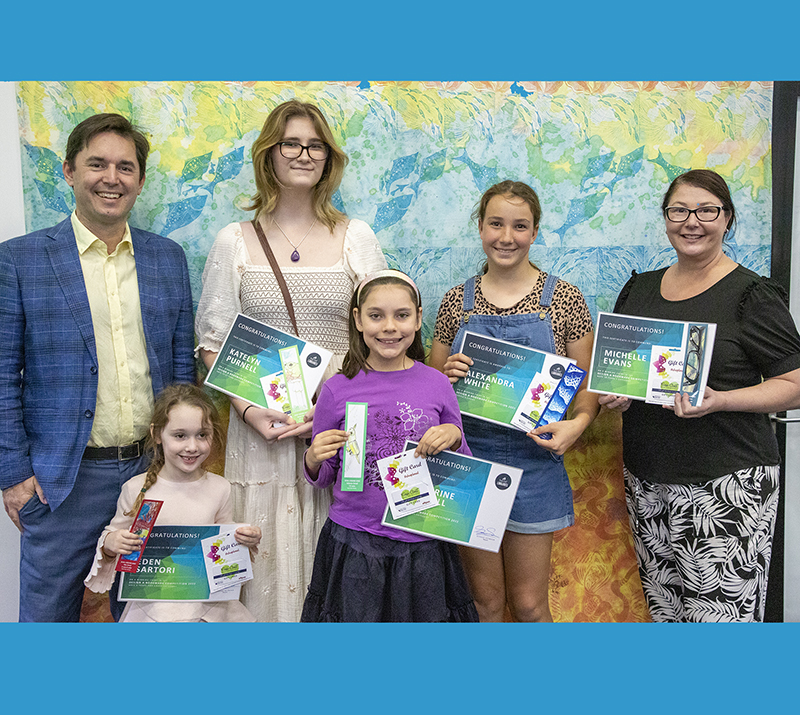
356, 358
709, 180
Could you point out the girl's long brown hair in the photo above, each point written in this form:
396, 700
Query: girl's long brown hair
269, 189
518, 190
356, 358
172, 396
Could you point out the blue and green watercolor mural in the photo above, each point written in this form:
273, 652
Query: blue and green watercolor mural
600, 156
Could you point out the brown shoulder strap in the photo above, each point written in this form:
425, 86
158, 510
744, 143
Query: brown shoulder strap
277, 271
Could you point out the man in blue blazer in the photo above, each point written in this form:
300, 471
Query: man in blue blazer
95, 319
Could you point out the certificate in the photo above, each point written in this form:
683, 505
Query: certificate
649, 359
511, 384
172, 567
268, 368
474, 500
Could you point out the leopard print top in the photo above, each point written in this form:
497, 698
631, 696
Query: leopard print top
569, 313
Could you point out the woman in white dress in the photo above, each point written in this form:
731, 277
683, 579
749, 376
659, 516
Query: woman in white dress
322, 255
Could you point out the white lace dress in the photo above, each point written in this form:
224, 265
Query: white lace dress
267, 481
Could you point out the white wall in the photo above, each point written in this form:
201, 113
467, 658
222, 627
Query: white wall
791, 583
12, 223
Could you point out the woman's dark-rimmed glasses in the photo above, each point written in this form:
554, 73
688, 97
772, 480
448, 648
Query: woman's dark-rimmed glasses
292, 150
679, 214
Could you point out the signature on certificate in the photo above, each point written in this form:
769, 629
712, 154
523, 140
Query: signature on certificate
482, 532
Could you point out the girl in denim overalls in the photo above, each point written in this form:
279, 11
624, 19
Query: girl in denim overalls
513, 300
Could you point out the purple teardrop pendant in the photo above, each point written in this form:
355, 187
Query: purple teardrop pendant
295, 256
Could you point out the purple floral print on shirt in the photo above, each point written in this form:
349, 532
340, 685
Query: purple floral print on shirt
390, 435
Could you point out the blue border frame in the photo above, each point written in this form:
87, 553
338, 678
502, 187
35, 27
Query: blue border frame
567, 666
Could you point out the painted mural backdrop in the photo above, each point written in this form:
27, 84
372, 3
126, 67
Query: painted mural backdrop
600, 156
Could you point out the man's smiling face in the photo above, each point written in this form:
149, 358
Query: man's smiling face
107, 179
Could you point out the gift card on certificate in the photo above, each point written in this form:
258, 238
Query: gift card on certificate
227, 562
407, 483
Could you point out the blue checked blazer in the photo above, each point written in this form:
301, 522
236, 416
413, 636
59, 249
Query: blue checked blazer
48, 357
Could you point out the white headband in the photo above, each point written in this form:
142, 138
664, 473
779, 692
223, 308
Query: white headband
387, 273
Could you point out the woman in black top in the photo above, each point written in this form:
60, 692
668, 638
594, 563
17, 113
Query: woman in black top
702, 482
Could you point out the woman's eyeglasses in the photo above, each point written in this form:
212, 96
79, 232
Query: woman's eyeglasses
292, 150
679, 214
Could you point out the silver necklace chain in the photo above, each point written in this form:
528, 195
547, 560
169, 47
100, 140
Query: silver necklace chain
295, 257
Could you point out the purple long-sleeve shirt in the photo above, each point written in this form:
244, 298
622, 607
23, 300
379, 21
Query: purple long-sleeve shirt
402, 405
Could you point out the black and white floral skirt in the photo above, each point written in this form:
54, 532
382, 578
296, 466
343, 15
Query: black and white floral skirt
360, 577
704, 549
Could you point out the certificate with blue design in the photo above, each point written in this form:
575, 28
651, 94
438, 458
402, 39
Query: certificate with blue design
474, 499
513, 385
268, 368
649, 359
173, 567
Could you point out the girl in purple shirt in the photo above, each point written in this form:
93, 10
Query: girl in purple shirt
363, 570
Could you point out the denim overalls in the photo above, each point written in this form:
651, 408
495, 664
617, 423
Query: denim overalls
544, 500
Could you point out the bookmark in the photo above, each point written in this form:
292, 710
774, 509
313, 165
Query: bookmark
141, 527
355, 424
560, 401
295, 384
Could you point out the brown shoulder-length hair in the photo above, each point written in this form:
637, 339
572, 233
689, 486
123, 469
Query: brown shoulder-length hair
172, 396
712, 182
269, 189
356, 358
519, 190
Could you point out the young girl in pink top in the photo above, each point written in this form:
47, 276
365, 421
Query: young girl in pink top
184, 433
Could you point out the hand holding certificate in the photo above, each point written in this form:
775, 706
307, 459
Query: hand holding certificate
268, 368
513, 385
651, 360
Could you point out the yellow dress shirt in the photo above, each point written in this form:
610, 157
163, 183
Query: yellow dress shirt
124, 388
